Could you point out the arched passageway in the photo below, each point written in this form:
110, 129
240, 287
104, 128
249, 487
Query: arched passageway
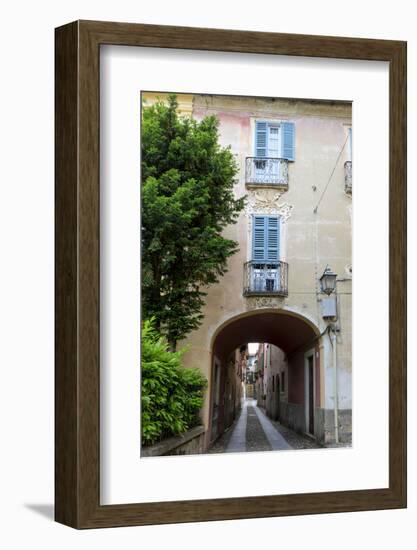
288, 390
284, 329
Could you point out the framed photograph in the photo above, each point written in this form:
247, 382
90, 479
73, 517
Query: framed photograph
230, 274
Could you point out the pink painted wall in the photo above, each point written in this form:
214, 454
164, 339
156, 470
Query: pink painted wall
296, 378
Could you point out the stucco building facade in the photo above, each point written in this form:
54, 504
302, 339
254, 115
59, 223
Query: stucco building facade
295, 169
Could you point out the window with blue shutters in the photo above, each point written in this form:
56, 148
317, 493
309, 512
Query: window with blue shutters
274, 148
265, 243
275, 140
265, 273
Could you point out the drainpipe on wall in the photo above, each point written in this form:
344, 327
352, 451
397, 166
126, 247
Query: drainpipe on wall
335, 386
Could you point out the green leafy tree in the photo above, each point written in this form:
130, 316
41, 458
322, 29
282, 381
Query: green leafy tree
187, 201
172, 396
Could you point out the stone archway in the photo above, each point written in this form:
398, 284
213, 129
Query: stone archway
284, 328
291, 332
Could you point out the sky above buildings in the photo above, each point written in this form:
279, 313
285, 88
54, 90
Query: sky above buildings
253, 348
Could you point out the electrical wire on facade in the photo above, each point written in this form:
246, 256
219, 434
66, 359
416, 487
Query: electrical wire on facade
331, 175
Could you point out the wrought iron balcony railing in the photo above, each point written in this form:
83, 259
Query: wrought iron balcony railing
348, 176
265, 278
267, 171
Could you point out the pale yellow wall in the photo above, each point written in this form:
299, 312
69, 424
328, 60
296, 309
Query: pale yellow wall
185, 101
309, 240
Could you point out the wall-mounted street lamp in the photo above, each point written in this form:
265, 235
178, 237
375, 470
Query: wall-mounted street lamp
328, 281
329, 314
328, 287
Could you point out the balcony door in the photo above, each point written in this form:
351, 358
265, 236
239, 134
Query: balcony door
268, 151
265, 254
274, 141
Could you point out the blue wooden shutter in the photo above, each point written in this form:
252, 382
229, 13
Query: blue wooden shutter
265, 241
261, 138
272, 247
288, 140
259, 238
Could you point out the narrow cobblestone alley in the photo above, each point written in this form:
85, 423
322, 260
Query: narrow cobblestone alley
254, 431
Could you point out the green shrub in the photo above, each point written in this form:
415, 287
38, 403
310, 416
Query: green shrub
172, 396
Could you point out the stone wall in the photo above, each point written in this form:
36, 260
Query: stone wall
345, 426
293, 416
189, 443
324, 426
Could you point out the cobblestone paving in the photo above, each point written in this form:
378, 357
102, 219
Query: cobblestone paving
255, 436
296, 440
220, 445
256, 439
275, 438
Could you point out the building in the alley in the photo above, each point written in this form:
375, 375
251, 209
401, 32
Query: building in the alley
272, 387
295, 169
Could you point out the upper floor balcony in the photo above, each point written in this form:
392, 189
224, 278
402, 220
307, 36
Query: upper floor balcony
348, 176
265, 278
267, 171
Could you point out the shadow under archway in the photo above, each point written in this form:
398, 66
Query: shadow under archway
282, 328
293, 334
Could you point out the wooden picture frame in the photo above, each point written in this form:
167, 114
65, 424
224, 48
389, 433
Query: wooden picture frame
77, 404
